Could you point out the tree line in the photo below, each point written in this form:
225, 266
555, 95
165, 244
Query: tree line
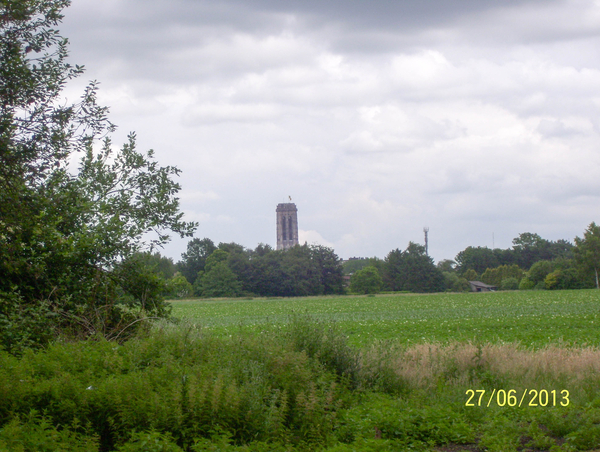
531, 263
230, 270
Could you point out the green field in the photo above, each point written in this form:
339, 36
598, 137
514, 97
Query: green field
531, 318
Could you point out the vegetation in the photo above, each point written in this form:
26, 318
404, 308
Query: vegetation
412, 270
366, 281
81, 368
299, 271
67, 235
532, 319
300, 387
587, 251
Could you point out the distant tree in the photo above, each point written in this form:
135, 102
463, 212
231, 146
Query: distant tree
216, 257
179, 287
478, 259
495, 276
530, 248
379, 264
587, 251
471, 275
329, 267
510, 283
161, 264
194, 258
366, 281
286, 273
412, 270
267, 274
302, 275
240, 263
262, 249
562, 279
218, 281
355, 264
539, 270
505, 257
526, 284
231, 247
446, 265
455, 283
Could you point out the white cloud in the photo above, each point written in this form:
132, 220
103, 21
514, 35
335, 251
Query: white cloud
312, 238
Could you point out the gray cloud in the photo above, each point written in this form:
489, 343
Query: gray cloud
377, 117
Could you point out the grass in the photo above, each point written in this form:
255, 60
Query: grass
262, 376
297, 388
531, 318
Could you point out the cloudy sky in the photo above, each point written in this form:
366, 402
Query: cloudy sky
478, 119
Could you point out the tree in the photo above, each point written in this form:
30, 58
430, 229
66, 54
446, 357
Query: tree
329, 267
231, 247
179, 287
66, 236
510, 283
478, 259
562, 279
587, 251
194, 258
219, 281
530, 248
412, 270
538, 271
446, 265
354, 264
454, 283
366, 281
495, 276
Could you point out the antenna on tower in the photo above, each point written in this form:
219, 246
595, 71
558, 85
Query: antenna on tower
426, 231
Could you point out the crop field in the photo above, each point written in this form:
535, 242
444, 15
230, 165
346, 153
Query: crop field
533, 319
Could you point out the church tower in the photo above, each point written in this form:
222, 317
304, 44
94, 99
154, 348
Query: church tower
287, 225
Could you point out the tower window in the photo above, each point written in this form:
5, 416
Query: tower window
283, 228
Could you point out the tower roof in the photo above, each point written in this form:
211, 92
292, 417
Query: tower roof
286, 207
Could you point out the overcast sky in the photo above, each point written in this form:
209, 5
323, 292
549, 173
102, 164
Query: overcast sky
478, 119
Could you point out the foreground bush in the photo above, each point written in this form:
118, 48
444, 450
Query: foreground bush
298, 388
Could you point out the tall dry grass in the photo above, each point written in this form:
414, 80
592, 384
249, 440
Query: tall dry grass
424, 366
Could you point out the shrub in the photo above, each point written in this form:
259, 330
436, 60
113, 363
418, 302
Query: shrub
179, 287
218, 281
24, 325
526, 284
391, 419
325, 343
509, 284
366, 281
150, 442
454, 283
37, 433
538, 271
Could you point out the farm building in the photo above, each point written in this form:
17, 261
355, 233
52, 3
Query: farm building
478, 286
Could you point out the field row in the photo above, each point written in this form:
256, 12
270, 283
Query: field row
532, 318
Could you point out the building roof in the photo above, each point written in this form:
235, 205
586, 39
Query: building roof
482, 285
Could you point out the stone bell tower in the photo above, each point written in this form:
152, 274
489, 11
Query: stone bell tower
287, 225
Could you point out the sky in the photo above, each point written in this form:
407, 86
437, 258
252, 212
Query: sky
477, 119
